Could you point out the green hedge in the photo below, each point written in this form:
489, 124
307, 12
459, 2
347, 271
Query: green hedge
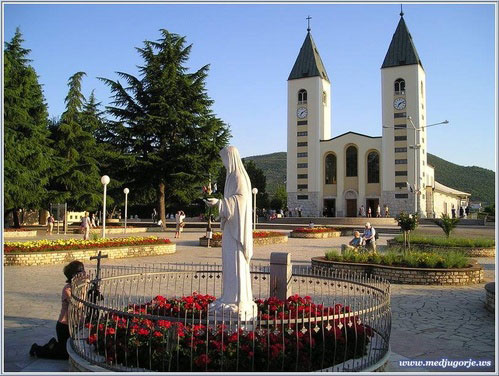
414, 259
441, 241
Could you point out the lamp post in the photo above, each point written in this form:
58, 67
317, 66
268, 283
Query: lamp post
417, 146
255, 191
126, 191
105, 181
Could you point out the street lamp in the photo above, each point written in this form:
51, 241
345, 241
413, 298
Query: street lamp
255, 191
126, 191
415, 147
105, 181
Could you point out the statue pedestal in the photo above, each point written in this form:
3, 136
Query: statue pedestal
242, 311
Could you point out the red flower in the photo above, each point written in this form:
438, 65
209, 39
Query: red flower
110, 331
157, 334
144, 332
203, 360
164, 324
92, 339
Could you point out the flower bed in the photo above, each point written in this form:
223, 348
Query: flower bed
476, 247
18, 233
172, 345
259, 238
114, 230
60, 251
406, 275
315, 232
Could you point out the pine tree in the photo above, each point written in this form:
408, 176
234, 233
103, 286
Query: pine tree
165, 124
78, 179
27, 146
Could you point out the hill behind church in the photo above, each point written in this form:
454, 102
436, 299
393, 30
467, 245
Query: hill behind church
476, 180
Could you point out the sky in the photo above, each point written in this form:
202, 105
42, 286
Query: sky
251, 49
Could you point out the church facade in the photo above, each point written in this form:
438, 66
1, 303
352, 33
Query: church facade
337, 176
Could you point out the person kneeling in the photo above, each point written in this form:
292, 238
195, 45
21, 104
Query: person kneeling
354, 244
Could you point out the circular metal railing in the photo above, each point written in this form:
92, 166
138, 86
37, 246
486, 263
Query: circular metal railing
158, 318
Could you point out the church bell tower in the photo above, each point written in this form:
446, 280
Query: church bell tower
403, 85
309, 121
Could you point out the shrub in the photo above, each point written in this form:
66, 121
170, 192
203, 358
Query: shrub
447, 224
413, 259
407, 222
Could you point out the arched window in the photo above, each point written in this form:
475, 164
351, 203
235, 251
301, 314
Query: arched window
351, 157
373, 167
399, 86
302, 96
331, 169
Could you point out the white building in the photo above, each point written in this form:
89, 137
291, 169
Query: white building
335, 176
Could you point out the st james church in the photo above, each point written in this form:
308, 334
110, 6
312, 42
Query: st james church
335, 176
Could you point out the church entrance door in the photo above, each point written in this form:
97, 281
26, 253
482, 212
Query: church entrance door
351, 207
373, 204
330, 207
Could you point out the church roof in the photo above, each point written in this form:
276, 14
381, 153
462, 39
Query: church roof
350, 132
402, 50
308, 63
443, 188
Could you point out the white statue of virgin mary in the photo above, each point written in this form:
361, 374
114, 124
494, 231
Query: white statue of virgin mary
237, 238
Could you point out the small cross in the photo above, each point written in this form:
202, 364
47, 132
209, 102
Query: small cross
401, 11
308, 20
98, 258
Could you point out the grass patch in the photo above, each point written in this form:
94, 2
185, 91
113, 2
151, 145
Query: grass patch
441, 241
413, 259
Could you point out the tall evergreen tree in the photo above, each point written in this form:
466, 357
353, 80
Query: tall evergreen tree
164, 122
78, 178
27, 146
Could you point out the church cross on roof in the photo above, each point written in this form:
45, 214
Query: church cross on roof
402, 50
308, 63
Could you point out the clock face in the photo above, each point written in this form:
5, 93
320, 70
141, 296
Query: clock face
302, 113
399, 103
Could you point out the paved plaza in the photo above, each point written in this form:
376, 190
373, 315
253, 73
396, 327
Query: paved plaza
428, 322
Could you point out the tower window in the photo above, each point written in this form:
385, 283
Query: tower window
373, 167
422, 90
302, 134
400, 161
399, 86
351, 158
324, 97
302, 96
401, 138
400, 150
330, 169
302, 155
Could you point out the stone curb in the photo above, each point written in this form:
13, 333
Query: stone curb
405, 275
315, 235
256, 241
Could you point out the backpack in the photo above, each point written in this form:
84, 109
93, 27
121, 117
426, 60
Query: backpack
376, 236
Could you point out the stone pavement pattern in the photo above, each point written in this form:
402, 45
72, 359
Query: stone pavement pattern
428, 322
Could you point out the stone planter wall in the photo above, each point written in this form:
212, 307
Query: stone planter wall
58, 257
256, 241
490, 296
315, 235
19, 234
472, 252
403, 275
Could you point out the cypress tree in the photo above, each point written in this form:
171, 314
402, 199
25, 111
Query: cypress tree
27, 146
165, 124
78, 179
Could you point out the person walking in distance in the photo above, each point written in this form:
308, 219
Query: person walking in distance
85, 226
179, 223
50, 224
